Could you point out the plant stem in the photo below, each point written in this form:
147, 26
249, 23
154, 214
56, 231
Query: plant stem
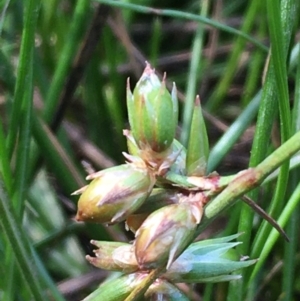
248, 179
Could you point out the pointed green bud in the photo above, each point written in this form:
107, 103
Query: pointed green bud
198, 147
116, 289
210, 260
114, 256
164, 291
152, 112
165, 233
132, 147
115, 193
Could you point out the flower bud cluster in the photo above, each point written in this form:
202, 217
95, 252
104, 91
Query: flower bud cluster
160, 192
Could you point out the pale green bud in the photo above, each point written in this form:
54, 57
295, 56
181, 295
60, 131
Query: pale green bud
114, 193
165, 233
152, 112
114, 256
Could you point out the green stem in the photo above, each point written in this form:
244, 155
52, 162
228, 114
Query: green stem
290, 252
248, 179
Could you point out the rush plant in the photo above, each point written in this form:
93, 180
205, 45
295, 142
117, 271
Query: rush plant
63, 70
166, 197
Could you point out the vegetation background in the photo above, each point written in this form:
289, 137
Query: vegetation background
63, 71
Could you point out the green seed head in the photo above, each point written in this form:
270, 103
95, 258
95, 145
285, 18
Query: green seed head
152, 112
114, 194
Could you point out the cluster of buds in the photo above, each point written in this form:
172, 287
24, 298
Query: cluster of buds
160, 192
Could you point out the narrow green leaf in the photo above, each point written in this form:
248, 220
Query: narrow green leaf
182, 15
235, 131
4, 165
274, 235
66, 58
249, 19
56, 156
193, 77
25, 61
19, 245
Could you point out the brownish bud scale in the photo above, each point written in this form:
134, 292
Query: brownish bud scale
114, 256
173, 158
152, 112
115, 193
165, 233
134, 221
159, 197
